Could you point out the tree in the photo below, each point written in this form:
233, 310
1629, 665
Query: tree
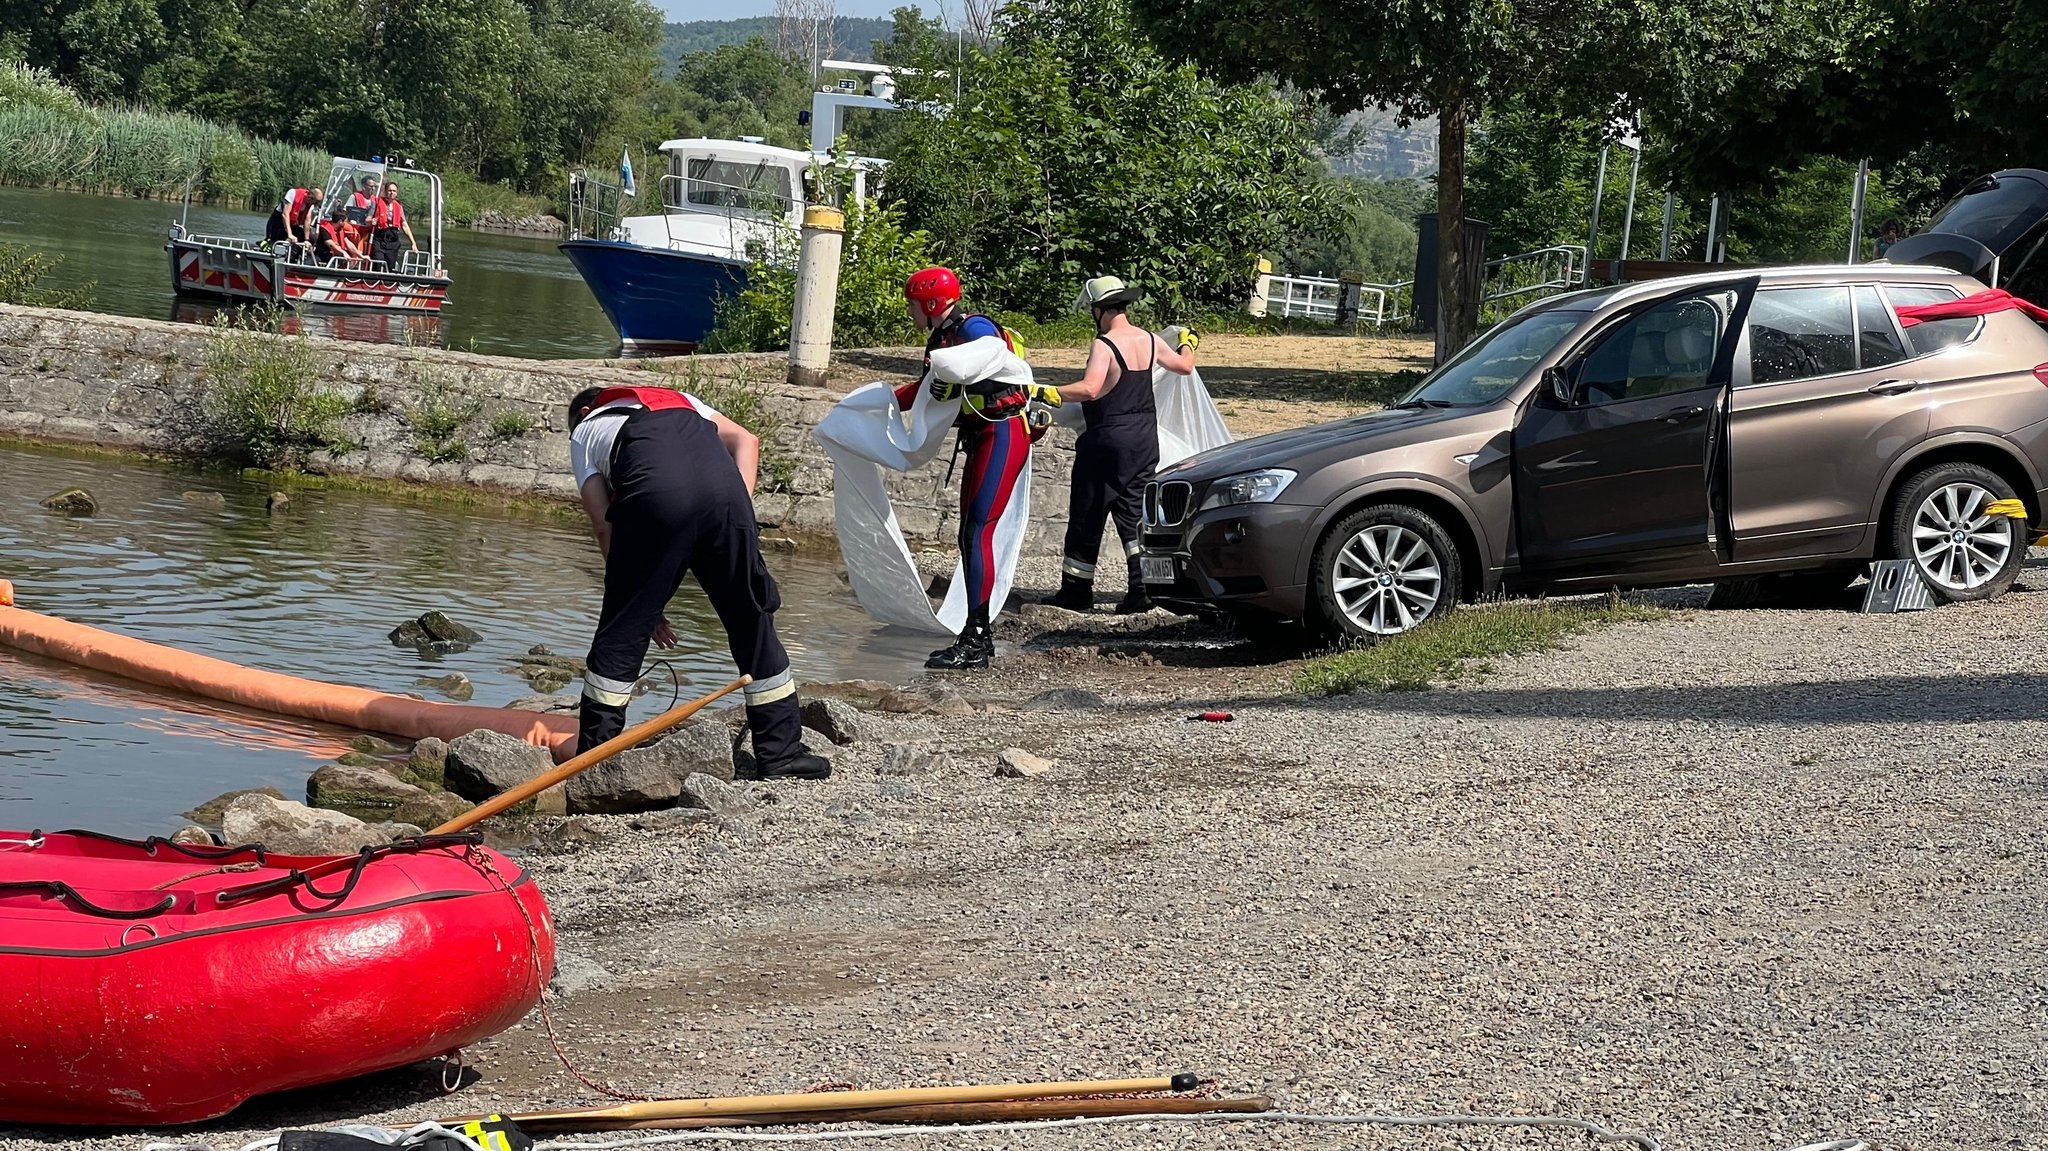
741, 90
1076, 149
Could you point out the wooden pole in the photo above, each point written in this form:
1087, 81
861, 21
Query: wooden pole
1003, 1111
815, 1101
629, 738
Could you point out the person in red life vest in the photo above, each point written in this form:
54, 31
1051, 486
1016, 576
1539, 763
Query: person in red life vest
295, 216
331, 240
997, 442
1116, 456
387, 226
362, 199
668, 484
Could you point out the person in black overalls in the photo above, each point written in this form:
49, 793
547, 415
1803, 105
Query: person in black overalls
668, 484
1115, 457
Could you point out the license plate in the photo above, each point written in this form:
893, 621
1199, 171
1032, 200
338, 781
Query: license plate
1156, 569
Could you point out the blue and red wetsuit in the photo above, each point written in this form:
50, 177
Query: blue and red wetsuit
998, 444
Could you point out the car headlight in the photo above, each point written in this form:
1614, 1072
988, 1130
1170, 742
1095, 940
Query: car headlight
1261, 487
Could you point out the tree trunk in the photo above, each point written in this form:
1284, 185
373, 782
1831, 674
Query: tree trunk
1455, 309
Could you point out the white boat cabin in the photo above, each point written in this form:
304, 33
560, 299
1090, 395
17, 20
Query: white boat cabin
731, 198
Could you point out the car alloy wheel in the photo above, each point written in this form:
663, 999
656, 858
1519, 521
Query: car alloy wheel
1957, 547
1387, 579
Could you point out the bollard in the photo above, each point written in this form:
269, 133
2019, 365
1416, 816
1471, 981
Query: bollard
817, 295
1262, 289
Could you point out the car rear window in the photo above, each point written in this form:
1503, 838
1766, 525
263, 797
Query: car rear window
1929, 336
1796, 333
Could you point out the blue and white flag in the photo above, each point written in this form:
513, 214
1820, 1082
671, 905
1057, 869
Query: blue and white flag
626, 173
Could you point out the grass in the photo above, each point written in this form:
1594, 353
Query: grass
741, 398
510, 425
437, 422
264, 396
1459, 644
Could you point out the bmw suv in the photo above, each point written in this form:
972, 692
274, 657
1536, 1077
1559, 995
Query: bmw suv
1779, 428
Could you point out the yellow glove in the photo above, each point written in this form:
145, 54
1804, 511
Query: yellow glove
1182, 336
943, 391
1044, 393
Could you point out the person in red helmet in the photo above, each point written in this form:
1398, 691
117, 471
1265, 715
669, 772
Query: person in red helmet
996, 439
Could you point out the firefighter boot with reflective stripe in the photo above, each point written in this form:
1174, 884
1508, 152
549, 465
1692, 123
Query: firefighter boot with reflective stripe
1137, 599
1075, 594
975, 647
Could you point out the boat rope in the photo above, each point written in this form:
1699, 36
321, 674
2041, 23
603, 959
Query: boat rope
223, 869
156, 843
297, 878
482, 861
33, 842
58, 889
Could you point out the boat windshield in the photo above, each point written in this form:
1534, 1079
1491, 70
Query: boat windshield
350, 178
749, 185
1494, 363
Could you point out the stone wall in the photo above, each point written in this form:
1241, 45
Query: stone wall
119, 382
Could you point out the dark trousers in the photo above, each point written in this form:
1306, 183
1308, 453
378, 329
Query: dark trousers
679, 507
1112, 464
388, 247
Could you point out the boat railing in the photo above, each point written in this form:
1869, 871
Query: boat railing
242, 243
745, 216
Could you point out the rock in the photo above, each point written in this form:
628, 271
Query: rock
1066, 699
539, 656
635, 780
546, 703
410, 634
193, 837
575, 974
834, 719
575, 832
205, 499
440, 627
673, 819
345, 785
358, 759
428, 761
431, 809
295, 829
934, 699
277, 502
862, 693
778, 545
484, 763
210, 812
1016, 763
73, 502
903, 759
545, 679
939, 586
394, 830
1045, 615
371, 745
698, 749
716, 796
454, 685
493, 220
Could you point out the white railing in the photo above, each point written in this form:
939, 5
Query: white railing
1558, 268
1321, 299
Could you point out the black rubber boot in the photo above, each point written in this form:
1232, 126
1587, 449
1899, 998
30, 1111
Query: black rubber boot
975, 647
779, 751
1137, 599
1075, 594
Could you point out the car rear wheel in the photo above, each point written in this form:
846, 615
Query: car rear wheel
1383, 570
1939, 523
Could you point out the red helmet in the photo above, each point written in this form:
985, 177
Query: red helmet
933, 289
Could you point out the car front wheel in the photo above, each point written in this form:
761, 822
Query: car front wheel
1940, 524
1383, 570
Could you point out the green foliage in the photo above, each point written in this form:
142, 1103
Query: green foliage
1375, 237
1456, 644
437, 420
1076, 149
510, 425
852, 37
741, 396
22, 271
878, 254
264, 394
744, 89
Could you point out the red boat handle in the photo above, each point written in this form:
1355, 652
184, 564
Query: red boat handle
58, 889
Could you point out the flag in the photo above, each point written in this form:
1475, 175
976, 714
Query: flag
626, 173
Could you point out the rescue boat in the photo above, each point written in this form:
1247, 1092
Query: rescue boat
256, 270
144, 982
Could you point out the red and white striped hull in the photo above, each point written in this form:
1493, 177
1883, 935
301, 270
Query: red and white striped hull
223, 272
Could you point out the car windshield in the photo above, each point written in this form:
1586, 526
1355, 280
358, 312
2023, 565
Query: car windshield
1495, 362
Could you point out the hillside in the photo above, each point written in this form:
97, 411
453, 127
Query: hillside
851, 36
1388, 149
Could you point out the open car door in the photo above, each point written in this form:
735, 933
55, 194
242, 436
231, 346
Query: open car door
1616, 454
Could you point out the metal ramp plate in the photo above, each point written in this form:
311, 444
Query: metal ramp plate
1895, 585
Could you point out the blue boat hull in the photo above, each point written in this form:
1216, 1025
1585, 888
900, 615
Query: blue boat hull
659, 300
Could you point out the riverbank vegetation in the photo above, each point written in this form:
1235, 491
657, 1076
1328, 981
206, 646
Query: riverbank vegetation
264, 398
1459, 644
22, 272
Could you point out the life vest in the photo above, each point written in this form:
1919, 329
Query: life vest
387, 214
653, 399
297, 203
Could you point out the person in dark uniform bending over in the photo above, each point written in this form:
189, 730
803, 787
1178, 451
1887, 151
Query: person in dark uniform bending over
997, 442
1117, 454
668, 483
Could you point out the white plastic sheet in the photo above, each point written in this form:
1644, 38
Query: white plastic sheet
1188, 419
865, 433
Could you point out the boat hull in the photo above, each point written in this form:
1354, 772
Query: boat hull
180, 1016
658, 299
226, 272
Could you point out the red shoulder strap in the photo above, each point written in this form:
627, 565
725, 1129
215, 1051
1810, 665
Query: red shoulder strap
653, 399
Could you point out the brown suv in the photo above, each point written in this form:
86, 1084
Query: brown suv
1775, 430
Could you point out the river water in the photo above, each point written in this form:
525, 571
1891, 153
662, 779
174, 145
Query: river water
311, 590
512, 295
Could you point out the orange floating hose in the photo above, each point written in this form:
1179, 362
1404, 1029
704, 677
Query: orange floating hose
217, 679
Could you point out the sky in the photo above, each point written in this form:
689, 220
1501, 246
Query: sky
680, 10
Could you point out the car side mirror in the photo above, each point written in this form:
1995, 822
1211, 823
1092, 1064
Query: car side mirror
1560, 386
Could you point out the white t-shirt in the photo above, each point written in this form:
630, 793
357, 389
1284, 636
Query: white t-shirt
590, 445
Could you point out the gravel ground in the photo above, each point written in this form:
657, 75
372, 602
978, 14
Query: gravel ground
1739, 879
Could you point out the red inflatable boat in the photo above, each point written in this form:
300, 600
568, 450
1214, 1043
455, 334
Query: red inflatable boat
145, 982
